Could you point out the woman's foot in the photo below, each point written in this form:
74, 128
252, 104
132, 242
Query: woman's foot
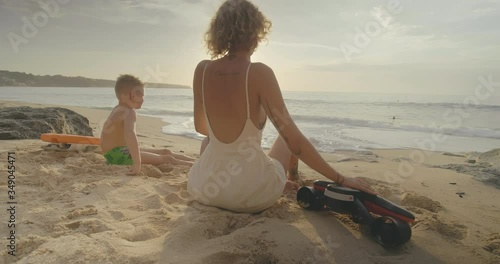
291, 186
182, 157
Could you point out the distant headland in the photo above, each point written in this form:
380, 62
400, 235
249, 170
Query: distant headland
21, 79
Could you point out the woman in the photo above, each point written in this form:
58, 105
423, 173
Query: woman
232, 100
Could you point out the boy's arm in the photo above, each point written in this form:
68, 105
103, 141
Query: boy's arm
131, 139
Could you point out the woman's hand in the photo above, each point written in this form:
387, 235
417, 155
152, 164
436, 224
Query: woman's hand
358, 184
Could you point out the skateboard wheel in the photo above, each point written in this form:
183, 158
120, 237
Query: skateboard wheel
310, 198
391, 232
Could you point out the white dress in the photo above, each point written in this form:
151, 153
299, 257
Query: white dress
238, 176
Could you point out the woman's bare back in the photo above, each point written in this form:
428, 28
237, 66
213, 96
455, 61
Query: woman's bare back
224, 97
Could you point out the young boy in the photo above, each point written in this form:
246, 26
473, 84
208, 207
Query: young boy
118, 138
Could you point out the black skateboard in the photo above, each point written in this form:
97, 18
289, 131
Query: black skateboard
385, 221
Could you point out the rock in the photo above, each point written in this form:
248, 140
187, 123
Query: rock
29, 123
492, 156
471, 161
485, 172
366, 156
453, 155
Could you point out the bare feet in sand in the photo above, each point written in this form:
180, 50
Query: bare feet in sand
291, 186
294, 180
168, 152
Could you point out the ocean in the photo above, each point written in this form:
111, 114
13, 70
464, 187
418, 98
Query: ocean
331, 121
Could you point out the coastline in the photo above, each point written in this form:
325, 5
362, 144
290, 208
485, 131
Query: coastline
70, 201
83, 87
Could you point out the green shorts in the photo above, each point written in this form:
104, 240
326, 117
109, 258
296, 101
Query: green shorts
118, 156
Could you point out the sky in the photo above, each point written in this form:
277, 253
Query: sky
362, 46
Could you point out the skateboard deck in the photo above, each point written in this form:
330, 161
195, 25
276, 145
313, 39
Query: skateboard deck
67, 142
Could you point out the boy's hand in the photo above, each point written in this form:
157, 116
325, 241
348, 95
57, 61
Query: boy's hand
136, 170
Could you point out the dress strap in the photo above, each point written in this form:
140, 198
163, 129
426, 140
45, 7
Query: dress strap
203, 91
246, 90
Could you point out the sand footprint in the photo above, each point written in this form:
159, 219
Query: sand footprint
48, 177
226, 224
447, 228
165, 168
185, 195
153, 201
284, 209
116, 215
172, 198
225, 256
88, 227
259, 251
166, 188
152, 171
243, 258
415, 200
87, 188
28, 244
87, 210
142, 233
493, 244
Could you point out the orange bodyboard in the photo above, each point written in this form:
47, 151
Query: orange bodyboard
69, 139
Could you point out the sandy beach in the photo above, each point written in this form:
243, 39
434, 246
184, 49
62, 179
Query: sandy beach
73, 208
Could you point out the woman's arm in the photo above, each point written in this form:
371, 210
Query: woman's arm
274, 105
200, 122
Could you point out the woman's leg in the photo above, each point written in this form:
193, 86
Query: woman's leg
279, 151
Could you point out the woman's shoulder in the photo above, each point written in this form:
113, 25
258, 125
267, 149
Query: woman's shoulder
202, 64
260, 65
200, 68
262, 70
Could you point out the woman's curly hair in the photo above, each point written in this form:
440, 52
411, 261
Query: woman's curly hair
237, 23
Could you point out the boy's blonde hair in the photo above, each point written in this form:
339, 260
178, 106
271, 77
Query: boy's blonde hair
236, 23
125, 83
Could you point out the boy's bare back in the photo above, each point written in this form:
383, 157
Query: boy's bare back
113, 130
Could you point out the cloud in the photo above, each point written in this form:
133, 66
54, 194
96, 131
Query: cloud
304, 45
20, 6
357, 67
194, 2
490, 65
484, 11
485, 7
125, 11
146, 4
